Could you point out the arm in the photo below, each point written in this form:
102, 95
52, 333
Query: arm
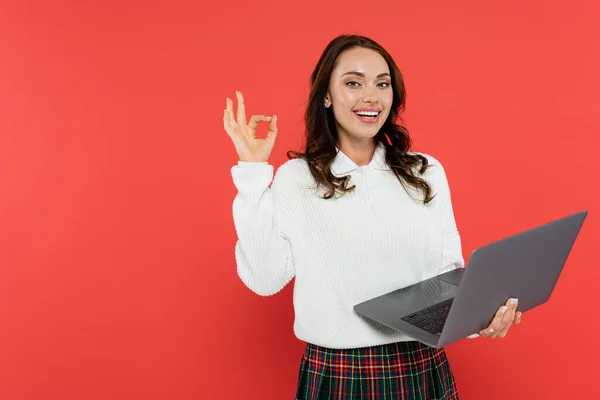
263, 252
452, 257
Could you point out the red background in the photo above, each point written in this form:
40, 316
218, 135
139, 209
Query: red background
117, 269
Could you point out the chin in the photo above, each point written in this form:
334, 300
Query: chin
363, 135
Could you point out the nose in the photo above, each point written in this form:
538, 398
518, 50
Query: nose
370, 95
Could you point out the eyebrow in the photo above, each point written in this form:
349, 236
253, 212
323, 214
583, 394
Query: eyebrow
363, 75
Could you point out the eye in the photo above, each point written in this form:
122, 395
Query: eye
387, 84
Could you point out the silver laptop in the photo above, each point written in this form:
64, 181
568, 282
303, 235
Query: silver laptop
458, 303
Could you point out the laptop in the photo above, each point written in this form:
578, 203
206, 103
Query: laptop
451, 306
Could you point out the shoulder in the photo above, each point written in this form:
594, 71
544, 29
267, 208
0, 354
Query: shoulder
435, 173
295, 170
291, 174
292, 166
434, 165
431, 160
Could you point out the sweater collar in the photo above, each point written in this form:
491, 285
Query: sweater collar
342, 164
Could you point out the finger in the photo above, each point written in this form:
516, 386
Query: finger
508, 317
506, 323
226, 122
255, 119
485, 333
229, 124
241, 111
231, 118
272, 133
497, 321
494, 328
512, 304
517, 318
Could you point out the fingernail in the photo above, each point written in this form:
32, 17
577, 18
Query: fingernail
514, 301
503, 309
275, 117
269, 118
520, 314
491, 330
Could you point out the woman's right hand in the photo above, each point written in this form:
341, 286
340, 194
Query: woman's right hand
248, 147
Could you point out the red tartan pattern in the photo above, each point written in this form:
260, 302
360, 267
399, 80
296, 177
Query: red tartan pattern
396, 371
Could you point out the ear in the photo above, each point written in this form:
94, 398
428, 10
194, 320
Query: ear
327, 101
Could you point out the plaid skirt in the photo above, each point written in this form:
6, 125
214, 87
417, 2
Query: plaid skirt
396, 371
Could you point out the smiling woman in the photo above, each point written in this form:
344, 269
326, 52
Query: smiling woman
387, 231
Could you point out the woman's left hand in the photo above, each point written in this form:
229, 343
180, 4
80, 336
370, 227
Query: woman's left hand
506, 316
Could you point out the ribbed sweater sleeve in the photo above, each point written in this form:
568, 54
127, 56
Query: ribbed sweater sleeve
452, 257
262, 215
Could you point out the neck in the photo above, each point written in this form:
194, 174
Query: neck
361, 153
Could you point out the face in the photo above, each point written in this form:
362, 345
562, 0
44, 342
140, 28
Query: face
360, 84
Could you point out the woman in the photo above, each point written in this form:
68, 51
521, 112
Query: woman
356, 215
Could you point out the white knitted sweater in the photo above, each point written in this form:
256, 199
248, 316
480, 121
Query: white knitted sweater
341, 251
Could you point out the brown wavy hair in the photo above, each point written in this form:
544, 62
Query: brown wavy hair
321, 136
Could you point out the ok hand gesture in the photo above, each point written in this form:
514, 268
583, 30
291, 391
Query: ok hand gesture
248, 147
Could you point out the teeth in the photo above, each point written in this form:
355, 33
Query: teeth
368, 113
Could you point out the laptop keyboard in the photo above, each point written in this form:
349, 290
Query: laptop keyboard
431, 319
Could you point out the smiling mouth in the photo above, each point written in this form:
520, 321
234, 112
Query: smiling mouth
368, 117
